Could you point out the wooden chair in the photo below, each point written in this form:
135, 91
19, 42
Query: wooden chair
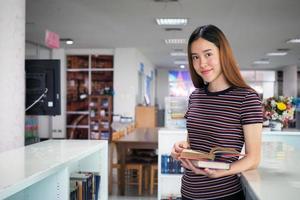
114, 164
153, 177
133, 171
134, 175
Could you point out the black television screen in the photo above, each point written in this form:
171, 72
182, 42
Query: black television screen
42, 87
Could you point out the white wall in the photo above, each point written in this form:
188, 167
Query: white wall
12, 76
290, 81
126, 66
162, 87
149, 70
58, 123
125, 81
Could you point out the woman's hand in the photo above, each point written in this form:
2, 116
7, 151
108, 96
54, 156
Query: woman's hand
211, 173
177, 149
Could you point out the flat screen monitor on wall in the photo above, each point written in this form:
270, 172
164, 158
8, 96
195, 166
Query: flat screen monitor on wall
42, 87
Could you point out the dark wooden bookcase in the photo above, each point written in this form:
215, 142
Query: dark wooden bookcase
89, 88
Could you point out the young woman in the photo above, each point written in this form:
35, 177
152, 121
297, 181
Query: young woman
223, 111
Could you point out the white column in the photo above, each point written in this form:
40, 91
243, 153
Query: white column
290, 80
125, 81
12, 76
59, 122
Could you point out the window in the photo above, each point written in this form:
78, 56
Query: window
180, 83
262, 81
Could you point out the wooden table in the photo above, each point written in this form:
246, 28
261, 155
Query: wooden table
140, 138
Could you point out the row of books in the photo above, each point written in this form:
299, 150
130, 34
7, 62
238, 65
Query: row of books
103, 135
170, 165
84, 186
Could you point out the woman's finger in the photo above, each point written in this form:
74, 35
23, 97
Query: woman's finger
184, 163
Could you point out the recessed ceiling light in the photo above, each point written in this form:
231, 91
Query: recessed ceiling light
261, 62
173, 29
175, 41
171, 21
295, 40
180, 62
178, 54
277, 53
283, 49
67, 40
182, 66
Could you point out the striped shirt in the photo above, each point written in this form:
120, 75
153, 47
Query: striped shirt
216, 119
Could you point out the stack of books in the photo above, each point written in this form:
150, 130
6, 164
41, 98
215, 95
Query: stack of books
84, 186
207, 160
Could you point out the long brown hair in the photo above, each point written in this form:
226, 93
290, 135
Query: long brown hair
228, 63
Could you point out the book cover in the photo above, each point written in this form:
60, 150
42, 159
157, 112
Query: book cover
97, 179
211, 164
74, 189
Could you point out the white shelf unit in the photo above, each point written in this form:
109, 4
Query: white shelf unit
175, 109
168, 184
42, 170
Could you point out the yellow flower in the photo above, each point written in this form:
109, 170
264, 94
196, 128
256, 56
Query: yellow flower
281, 106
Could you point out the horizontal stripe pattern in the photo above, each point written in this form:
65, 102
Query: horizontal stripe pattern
217, 120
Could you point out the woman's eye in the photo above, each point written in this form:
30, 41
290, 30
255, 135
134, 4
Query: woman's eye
194, 57
208, 54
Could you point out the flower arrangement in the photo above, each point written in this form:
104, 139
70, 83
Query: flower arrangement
279, 109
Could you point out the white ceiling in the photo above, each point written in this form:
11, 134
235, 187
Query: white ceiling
253, 27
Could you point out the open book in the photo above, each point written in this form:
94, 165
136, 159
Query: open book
206, 160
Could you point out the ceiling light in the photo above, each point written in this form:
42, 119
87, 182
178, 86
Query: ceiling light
182, 66
171, 21
277, 53
175, 41
283, 49
295, 40
67, 41
173, 29
261, 62
180, 62
178, 54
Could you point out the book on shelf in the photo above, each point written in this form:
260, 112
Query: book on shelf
97, 180
207, 160
84, 185
74, 189
84, 181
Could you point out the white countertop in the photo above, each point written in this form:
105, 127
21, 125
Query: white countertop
23, 166
278, 176
290, 131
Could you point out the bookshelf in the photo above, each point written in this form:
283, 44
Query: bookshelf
166, 139
100, 116
89, 77
42, 170
175, 109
